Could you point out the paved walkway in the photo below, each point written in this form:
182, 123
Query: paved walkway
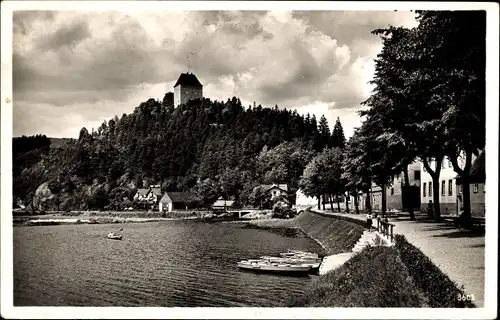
334, 261
459, 254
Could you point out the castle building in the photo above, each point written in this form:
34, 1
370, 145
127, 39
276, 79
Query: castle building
187, 87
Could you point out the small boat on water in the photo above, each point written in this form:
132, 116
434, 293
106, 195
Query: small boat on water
314, 263
299, 254
293, 261
271, 267
114, 236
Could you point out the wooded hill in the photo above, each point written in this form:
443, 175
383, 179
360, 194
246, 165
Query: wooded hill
210, 147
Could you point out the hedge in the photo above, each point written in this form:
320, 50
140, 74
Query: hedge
441, 291
374, 278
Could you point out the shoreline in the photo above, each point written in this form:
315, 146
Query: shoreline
287, 224
62, 219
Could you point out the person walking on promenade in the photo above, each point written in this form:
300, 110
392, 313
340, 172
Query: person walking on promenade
369, 221
430, 209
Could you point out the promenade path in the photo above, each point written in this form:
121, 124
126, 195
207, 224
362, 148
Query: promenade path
459, 254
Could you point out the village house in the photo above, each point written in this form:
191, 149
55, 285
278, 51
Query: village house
174, 201
447, 186
477, 188
142, 194
276, 190
155, 193
222, 204
401, 197
302, 200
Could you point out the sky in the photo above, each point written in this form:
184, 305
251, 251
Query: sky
74, 69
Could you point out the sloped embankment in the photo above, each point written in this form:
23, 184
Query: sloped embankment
375, 277
334, 235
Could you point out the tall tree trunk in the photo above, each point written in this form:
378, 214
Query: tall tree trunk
465, 177
319, 202
368, 201
347, 203
356, 204
331, 202
384, 199
338, 202
435, 195
324, 200
466, 218
435, 186
407, 185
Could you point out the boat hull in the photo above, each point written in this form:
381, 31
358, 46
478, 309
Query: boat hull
115, 237
269, 268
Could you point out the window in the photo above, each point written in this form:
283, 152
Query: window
425, 189
443, 187
449, 163
416, 175
430, 188
476, 187
392, 191
450, 187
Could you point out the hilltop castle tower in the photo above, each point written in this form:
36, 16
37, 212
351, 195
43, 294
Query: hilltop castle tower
187, 88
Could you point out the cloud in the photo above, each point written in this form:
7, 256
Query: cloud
93, 65
66, 36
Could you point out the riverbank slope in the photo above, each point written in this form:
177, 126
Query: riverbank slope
398, 276
334, 235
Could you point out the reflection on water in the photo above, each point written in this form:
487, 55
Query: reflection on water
168, 264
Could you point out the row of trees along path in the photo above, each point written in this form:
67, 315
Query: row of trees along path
428, 102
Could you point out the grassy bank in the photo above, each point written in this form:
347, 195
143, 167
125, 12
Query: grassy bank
398, 276
438, 287
376, 277
334, 235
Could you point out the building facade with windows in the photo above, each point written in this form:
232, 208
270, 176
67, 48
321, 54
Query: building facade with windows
401, 197
448, 189
477, 187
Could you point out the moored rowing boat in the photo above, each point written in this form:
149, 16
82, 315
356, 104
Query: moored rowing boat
266, 266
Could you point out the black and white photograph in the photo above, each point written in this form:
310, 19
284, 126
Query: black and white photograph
225, 159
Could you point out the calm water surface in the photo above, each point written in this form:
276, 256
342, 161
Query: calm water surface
168, 264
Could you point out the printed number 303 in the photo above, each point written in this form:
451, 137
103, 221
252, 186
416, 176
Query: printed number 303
466, 297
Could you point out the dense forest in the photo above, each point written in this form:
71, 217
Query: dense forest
427, 104
211, 147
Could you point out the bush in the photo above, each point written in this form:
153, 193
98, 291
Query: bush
376, 277
283, 209
440, 289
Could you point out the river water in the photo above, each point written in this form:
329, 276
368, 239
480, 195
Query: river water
167, 264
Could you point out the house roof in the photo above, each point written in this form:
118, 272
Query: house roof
223, 203
178, 196
142, 191
477, 171
282, 186
188, 79
156, 191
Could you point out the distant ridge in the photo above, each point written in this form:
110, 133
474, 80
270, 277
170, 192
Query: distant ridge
58, 142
